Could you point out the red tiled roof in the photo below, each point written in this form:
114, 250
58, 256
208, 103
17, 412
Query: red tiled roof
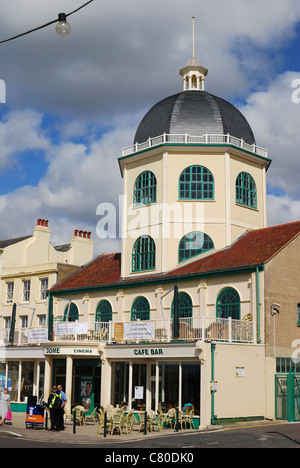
255, 248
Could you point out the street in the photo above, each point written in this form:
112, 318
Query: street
260, 436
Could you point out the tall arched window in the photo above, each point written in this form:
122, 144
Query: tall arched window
185, 306
229, 304
144, 191
245, 190
71, 313
143, 254
193, 244
104, 311
196, 183
140, 309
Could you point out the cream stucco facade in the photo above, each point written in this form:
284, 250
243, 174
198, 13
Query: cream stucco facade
171, 218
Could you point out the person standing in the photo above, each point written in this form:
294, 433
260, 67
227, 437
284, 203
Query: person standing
54, 411
4, 406
64, 401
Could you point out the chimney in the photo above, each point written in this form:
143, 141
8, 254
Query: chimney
42, 222
82, 247
82, 234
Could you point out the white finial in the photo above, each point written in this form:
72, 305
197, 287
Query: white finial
193, 73
193, 36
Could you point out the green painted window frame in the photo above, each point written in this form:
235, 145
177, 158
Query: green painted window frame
194, 244
103, 311
140, 309
73, 313
298, 315
286, 365
145, 189
245, 190
144, 254
185, 306
228, 304
196, 183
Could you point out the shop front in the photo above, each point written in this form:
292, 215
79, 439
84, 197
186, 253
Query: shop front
157, 377
22, 372
77, 368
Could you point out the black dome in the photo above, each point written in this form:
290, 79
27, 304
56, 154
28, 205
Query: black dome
195, 113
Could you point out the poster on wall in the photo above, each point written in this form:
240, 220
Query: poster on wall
87, 393
139, 331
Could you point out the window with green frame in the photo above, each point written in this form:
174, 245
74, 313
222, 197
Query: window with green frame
143, 254
185, 306
140, 309
194, 244
229, 304
104, 311
298, 315
145, 188
196, 183
245, 190
71, 312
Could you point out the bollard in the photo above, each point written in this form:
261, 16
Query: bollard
46, 421
177, 421
145, 424
105, 424
74, 422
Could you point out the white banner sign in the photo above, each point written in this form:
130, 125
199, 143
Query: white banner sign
71, 328
139, 331
37, 335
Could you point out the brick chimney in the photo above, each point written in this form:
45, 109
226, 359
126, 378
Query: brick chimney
82, 247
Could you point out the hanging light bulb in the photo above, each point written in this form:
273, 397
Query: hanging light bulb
63, 28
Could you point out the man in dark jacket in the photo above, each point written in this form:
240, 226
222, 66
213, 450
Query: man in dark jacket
54, 410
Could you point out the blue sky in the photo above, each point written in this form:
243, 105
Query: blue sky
73, 103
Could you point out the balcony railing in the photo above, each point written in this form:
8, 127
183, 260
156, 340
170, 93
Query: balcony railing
207, 139
160, 331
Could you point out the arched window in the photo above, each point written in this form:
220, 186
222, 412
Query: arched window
104, 311
143, 254
193, 244
71, 313
185, 306
228, 304
140, 309
245, 190
144, 191
196, 183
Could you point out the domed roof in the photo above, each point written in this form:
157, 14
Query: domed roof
195, 113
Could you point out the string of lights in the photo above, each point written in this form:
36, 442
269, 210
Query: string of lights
63, 28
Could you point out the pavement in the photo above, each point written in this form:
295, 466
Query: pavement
88, 434
85, 434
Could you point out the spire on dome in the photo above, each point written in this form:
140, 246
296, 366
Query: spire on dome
193, 73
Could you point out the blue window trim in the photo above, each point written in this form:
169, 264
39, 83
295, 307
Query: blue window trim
194, 244
196, 183
144, 254
103, 311
145, 189
228, 304
245, 190
140, 309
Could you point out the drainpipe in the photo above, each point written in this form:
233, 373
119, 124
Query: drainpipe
213, 347
258, 305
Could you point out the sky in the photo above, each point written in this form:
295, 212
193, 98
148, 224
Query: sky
73, 103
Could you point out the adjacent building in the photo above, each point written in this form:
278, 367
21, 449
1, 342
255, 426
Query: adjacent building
30, 265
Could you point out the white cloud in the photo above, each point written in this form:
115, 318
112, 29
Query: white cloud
79, 177
20, 131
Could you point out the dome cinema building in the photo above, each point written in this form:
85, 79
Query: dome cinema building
187, 311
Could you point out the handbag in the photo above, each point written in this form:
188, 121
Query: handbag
9, 415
